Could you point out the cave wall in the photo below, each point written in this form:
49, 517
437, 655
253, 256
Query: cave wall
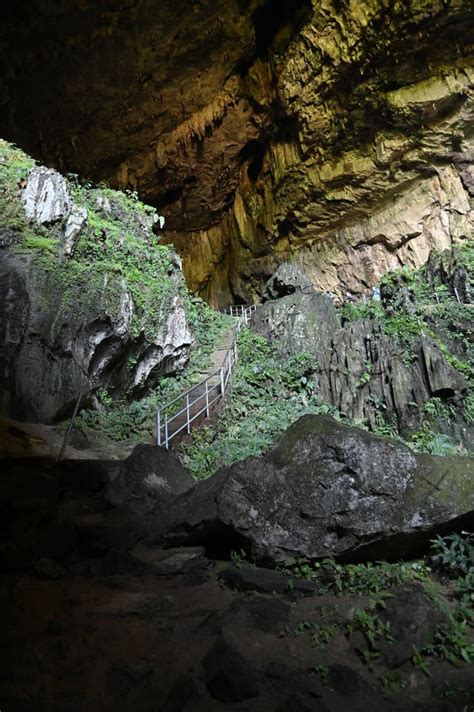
338, 133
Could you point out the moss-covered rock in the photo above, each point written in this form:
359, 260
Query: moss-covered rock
327, 489
91, 300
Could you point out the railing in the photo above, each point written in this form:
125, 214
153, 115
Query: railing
197, 401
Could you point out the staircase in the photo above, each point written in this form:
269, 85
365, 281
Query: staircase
190, 408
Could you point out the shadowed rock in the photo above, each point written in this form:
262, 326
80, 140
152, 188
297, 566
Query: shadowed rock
148, 479
326, 489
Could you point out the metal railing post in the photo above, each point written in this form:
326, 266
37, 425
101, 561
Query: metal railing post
188, 424
158, 427
166, 432
222, 382
207, 399
70, 427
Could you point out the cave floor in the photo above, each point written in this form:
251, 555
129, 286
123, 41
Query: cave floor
95, 619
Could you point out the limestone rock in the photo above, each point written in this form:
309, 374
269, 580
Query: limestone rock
288, 278
46, 197
76, 220
148, 479
326, 489
298, 322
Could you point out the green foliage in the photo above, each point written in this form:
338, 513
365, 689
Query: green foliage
369, 624
436, 408
356, 579
393, 682
426, 440
450, 642
249, 423
352, 311
468, 409
321, 634
454, 553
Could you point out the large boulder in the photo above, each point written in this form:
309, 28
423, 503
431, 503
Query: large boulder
326, 489
148, 479
298, 322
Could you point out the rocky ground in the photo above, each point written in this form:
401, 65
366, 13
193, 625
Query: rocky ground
96, 617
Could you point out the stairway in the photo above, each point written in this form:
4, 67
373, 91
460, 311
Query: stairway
188, 410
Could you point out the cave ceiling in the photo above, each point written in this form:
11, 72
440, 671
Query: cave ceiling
255, 127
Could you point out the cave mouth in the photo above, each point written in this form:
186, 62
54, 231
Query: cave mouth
273, 17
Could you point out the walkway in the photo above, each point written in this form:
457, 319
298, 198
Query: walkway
189, 409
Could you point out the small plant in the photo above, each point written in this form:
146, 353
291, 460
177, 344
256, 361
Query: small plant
393, 682
322, 671
420, 662
454, 553
370, 625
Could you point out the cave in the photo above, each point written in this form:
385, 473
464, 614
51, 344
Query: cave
236, 364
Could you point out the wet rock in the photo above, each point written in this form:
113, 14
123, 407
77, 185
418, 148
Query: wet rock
148, 479
344, 680
247, 578
412, 619
269, 615
228, 676
288, 279
46, 197
326, 489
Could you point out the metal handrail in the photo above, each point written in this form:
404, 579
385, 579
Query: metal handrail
69, 429
163, 421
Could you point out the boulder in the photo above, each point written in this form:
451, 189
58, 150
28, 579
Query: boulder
229, 678
46, 197
325, 489
149, 478
412, 619
298, 322
288, 279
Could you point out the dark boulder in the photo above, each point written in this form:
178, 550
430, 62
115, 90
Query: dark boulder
228, 676
147, 479
326, 489
412, 619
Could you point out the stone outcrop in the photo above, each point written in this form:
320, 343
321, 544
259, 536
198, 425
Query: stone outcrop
147, 480
326, 489
298, 322
46, 196
365, 371
337, 134
89, 302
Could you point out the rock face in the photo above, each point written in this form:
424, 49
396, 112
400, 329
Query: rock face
298, 322
150, 478
89, 300
288, 279
364, 370
46, 197
326, 489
